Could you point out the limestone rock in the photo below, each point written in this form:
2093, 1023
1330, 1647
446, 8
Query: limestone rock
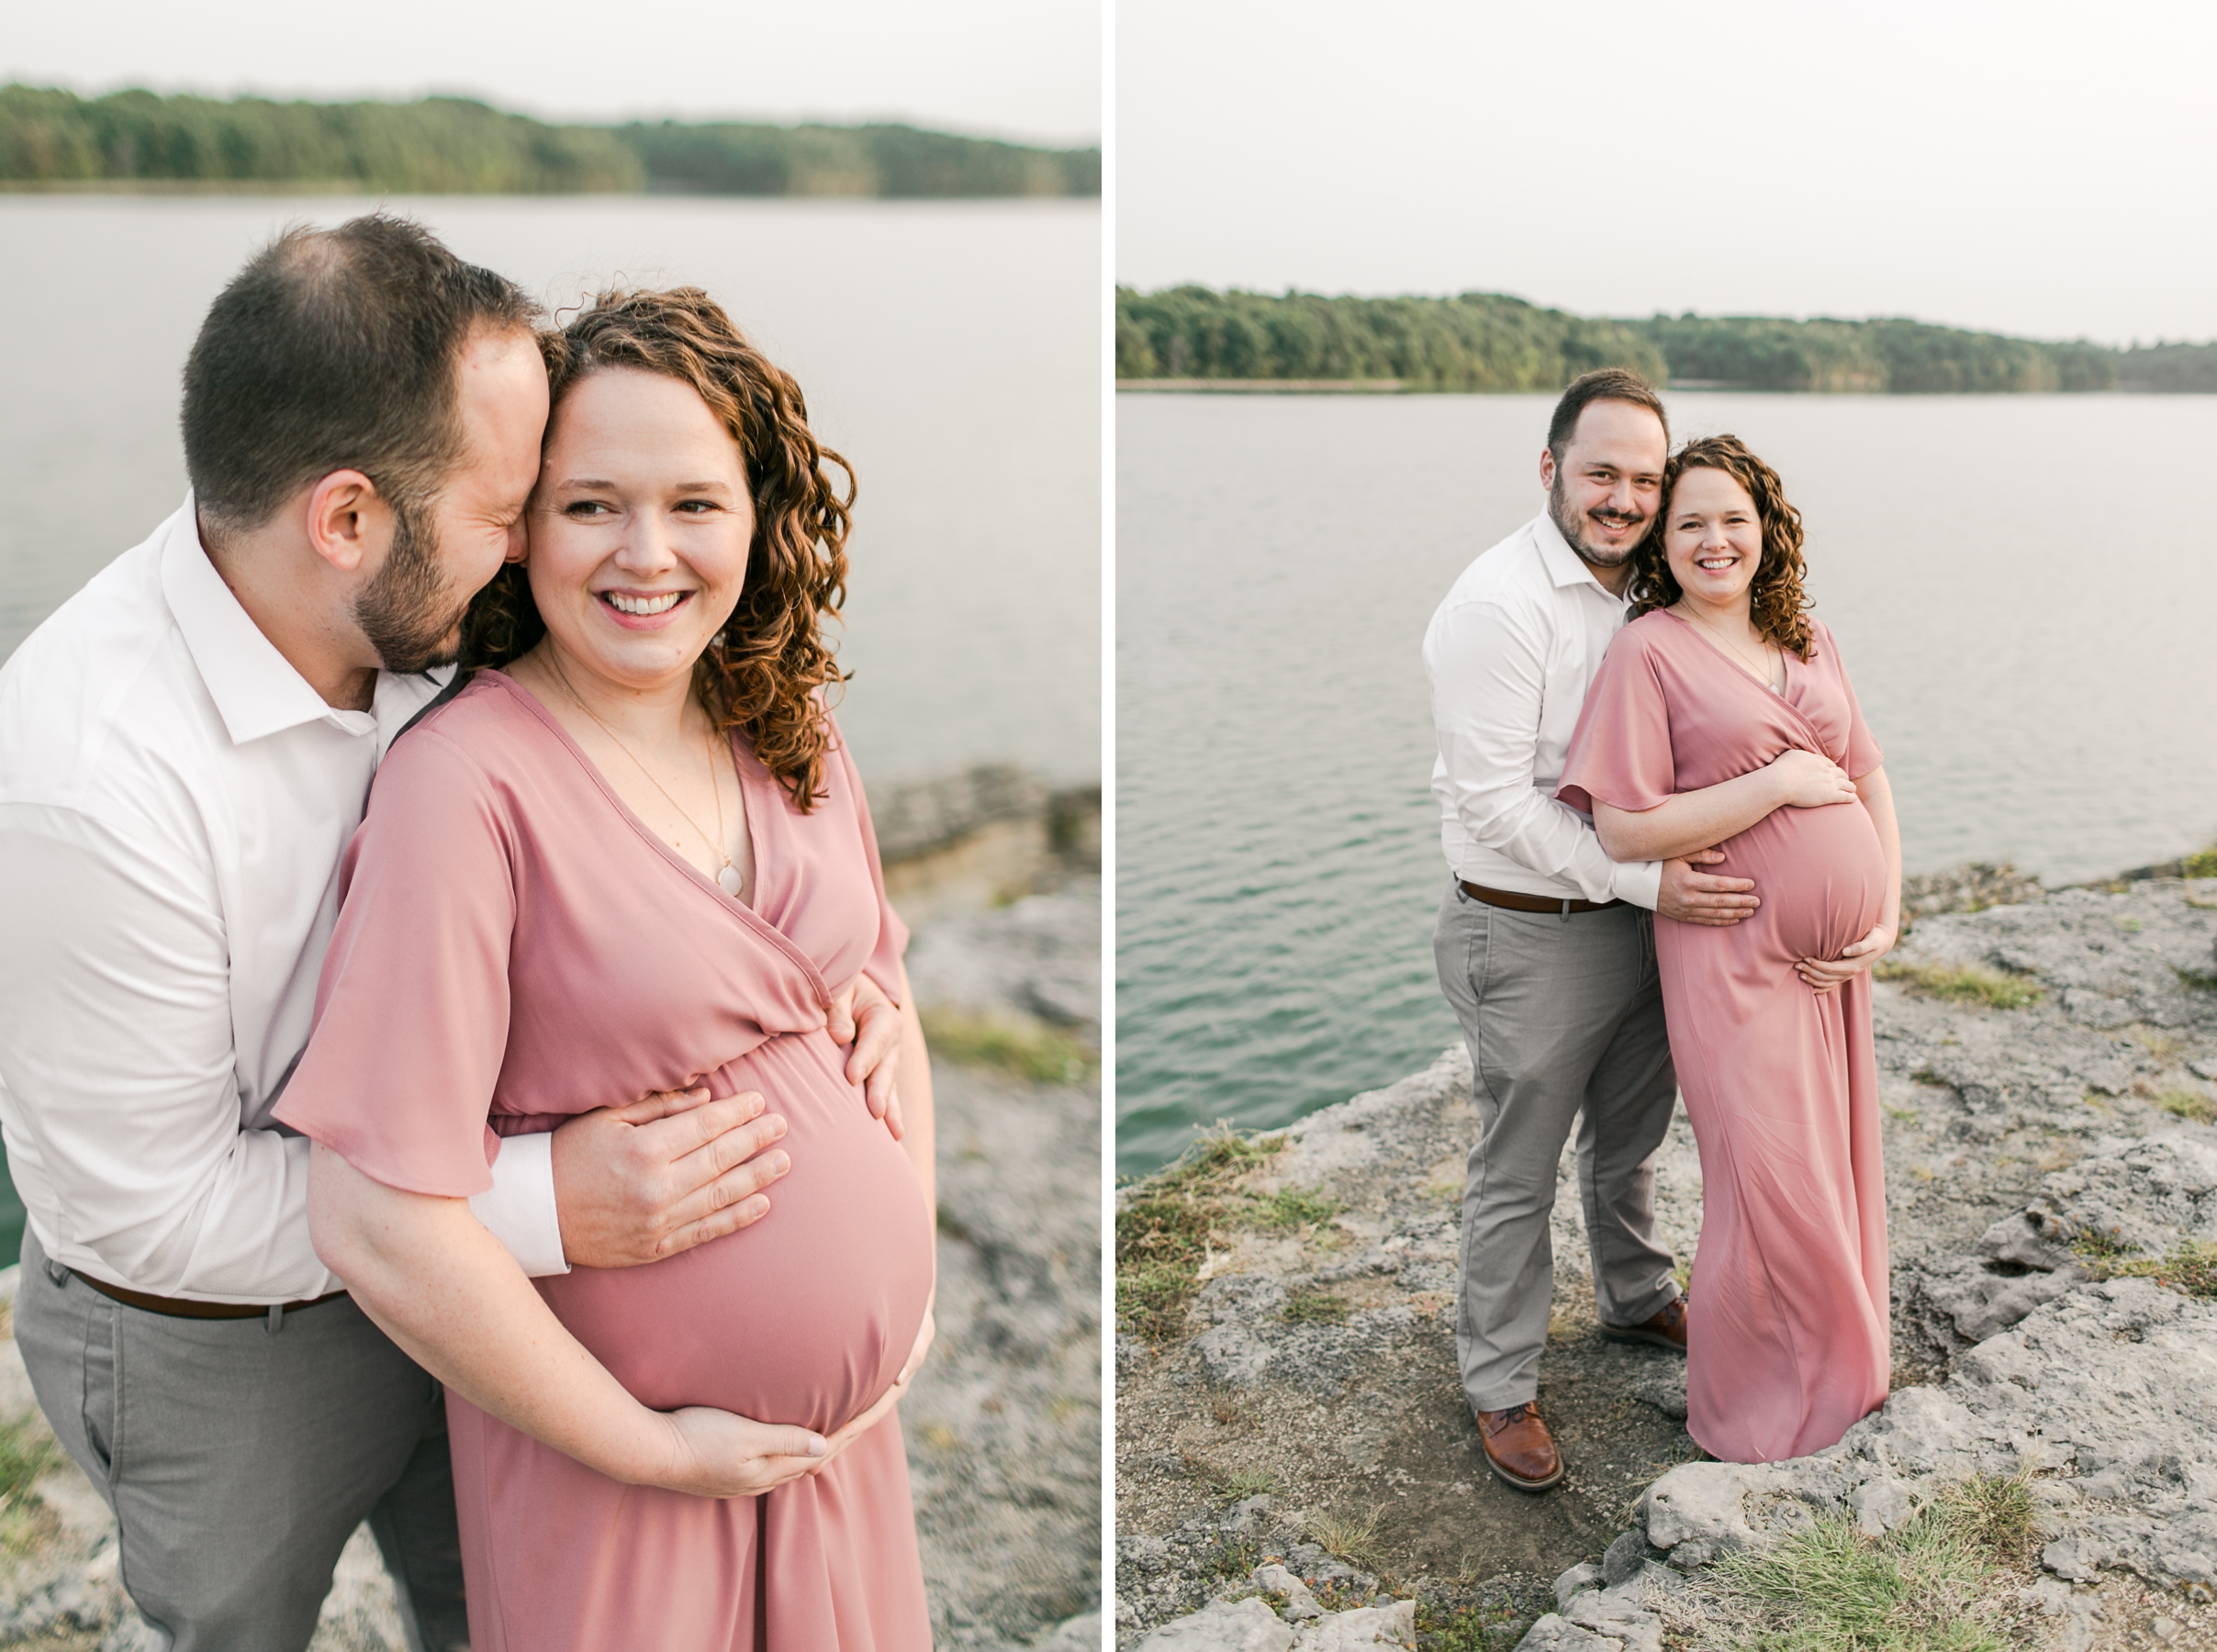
1246, 1625
1359, 1629
1275, 1579
1585, 1574
1555, 1633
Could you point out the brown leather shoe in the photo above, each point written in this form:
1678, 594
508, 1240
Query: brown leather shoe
1518, 1448
1666, 1330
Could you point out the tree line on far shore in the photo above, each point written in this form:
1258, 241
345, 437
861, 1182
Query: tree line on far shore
1485, 342
55, 140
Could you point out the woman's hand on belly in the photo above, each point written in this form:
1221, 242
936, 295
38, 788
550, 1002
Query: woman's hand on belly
1829, 975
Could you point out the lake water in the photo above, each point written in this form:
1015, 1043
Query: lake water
951, 352
2025, 589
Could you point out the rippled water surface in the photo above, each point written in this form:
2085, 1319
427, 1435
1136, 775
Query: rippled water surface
2025, 588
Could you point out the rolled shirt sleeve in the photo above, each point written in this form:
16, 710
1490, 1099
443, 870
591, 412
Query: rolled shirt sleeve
119, 1087
1487, 664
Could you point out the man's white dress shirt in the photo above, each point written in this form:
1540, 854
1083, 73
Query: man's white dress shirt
174, 799
1510, 652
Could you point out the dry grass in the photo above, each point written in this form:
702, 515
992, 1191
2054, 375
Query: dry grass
1961, 984
1945, 1582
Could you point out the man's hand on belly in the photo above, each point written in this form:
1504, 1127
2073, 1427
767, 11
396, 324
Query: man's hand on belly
671, 1170
1694, 897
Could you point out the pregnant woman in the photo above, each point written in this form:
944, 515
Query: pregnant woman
1722, 715
636, 846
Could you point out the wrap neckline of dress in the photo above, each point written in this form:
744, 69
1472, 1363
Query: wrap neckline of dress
1785, 699
744, 765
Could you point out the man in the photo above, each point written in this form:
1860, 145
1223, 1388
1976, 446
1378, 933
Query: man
185, 747
1545, 947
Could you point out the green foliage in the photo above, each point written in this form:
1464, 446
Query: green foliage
28, 1450
1968, 984
1290, 1209
453, 146
1936, 1584
892, 162
2179, 369
2187, 1104
1477, 341
1903, 357
2190, 1268
1315, 1307
1485, 342
1162, 1228
1029, 1050
2202, 862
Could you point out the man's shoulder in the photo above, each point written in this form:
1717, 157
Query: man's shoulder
104, 677
1510, 572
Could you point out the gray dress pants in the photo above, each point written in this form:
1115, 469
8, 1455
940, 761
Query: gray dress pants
239, 1455
1563, 1017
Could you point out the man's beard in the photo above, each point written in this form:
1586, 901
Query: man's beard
405, 610
1574, 532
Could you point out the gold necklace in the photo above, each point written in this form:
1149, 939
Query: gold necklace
727, 877
1763, 667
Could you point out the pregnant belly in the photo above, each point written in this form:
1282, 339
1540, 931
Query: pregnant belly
1820, 874
806, 1316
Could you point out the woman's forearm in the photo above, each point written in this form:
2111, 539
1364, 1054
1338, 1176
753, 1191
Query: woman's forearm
1690, 821
452, 1297
1877, 796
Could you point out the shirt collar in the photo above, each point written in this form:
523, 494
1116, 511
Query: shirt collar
1564, 566
255, 689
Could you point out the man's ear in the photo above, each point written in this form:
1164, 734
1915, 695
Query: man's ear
1547, 468
348, 521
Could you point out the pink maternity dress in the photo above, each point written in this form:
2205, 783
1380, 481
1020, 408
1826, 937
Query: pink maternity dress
1789, 1326
515, 947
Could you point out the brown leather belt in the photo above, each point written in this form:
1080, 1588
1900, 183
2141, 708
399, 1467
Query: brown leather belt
177, 1308
1518, 901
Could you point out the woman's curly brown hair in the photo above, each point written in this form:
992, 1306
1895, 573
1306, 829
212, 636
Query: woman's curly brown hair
1776, 602
769, 671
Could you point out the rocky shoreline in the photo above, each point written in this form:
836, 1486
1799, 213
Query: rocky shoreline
1304, 1421
1000, 878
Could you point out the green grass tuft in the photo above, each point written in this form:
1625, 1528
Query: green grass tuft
2201, 863
1967, 984
1315, 1307
2190, 1268
1936, 1584
2186, 1104
1034, 1052
1162, 1230
1289, 1210
27, 1451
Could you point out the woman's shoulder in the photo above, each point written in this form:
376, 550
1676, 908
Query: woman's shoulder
482, 737
1648, 635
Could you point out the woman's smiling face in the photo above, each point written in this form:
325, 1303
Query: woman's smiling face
1712, 536
640, 526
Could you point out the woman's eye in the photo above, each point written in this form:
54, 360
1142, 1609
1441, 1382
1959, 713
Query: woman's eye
585, 508
697, 506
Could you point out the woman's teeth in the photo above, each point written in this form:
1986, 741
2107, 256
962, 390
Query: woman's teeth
1715, 564
641, 605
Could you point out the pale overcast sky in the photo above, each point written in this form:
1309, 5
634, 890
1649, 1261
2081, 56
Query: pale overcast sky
1023, 69
2021, 166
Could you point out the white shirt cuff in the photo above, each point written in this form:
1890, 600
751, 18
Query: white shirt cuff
519, 1210
1640, 881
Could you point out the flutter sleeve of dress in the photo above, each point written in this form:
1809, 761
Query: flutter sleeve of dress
412, 1007
883, 966
1862, 752
1620, 752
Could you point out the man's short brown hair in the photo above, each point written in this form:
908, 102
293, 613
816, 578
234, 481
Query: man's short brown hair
335, 350
1604, 384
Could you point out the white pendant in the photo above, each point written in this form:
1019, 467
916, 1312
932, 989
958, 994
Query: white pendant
728, 880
